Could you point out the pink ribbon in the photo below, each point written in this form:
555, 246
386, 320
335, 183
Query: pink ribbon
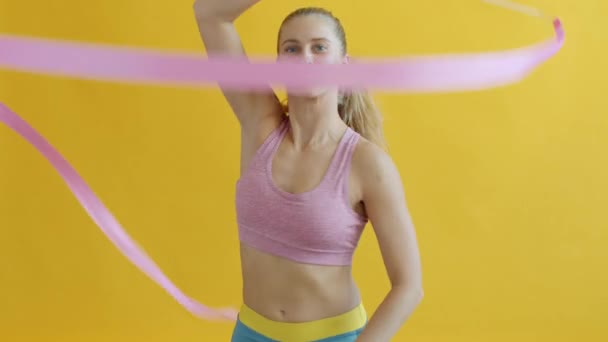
88, 61
458, 72
104, 218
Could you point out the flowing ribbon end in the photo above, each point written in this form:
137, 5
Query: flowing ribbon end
103, 218
559, 29
203, 312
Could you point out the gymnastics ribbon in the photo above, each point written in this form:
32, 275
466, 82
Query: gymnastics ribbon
106, 63
442, 73
104, 218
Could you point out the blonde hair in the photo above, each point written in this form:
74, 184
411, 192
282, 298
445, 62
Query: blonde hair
356, 108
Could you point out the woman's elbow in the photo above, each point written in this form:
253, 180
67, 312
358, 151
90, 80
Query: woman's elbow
414, 292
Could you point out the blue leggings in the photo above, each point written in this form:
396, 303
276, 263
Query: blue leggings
243, 333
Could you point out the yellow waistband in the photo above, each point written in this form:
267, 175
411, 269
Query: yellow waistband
305, 331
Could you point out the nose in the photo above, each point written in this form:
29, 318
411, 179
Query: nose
308, 58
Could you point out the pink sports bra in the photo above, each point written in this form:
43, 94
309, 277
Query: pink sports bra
314, 227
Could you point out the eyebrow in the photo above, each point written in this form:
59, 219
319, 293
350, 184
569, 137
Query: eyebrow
297, 41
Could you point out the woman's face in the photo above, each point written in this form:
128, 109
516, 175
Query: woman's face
310, 39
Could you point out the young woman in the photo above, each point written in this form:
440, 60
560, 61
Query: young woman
313, 173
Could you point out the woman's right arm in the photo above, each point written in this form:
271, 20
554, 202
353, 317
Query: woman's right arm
215, 19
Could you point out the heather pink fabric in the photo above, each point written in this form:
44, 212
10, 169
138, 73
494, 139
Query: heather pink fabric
315, 227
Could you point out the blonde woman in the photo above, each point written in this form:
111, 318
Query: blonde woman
313, 173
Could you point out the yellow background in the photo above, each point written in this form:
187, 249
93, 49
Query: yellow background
507, 187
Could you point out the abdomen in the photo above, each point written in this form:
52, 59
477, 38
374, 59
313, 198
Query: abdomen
283, 290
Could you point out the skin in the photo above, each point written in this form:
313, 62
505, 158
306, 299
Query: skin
284, 290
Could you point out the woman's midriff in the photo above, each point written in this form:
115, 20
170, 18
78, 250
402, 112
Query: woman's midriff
285, 291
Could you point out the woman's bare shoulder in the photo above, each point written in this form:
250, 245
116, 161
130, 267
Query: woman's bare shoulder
372, 165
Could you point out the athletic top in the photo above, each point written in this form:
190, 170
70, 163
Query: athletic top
315, 227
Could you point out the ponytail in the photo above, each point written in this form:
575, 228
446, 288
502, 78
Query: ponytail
359, 112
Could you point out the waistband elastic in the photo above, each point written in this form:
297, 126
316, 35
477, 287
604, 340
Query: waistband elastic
304, 331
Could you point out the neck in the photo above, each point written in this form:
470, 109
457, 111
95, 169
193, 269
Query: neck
315, 121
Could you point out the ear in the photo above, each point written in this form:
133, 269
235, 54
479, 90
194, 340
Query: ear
346, 59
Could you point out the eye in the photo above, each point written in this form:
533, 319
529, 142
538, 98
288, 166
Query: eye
320, 47
290, 49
